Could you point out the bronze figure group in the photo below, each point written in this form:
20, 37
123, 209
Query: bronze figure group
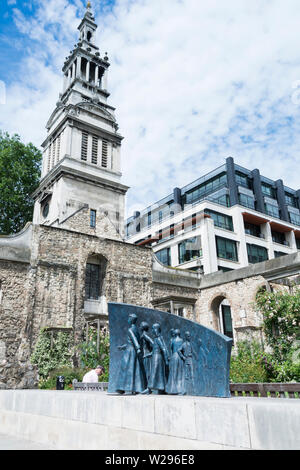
149, 366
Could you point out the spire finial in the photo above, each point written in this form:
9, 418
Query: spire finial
88, 5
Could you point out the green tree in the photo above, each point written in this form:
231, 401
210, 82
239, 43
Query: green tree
281, 320
19, 177
51, 352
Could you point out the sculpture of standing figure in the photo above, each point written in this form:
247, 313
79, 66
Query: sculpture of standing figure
159, 362
146, 346
186, 353
132, 377
175, 384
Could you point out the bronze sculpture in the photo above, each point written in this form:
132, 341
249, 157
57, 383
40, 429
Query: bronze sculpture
175, 384
146, 346
131, 378
159, 363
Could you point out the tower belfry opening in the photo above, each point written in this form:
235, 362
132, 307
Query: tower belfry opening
81, 167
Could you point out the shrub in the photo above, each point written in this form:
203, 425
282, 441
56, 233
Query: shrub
281, 320
51, 351
249, 363
69, 373
90, 357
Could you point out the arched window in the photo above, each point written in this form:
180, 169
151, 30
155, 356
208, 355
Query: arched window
89, 36
94, 277
222, 320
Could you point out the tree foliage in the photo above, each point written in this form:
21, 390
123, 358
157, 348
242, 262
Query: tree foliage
19, 177
90, 357
51, 352
281, 320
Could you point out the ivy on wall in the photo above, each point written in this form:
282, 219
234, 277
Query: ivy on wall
52, 350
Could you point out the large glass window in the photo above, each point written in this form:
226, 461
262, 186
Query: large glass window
271, 210
247, 201
164, 256
252, 229
278, 254
278, 237
189, 249
226, 249
223, 200
295, 218
220, 220
206, 188
291, 200
256, 254
268, 190
243, 180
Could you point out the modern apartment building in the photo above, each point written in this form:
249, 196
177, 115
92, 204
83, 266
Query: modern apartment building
226, 219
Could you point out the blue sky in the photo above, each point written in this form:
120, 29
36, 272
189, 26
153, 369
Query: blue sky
193, 82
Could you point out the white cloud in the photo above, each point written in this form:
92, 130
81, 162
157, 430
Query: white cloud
193, 82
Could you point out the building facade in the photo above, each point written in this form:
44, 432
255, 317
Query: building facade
225, 220
81, 166
61, 271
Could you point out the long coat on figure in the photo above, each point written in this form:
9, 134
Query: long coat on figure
176, 384
159, 361
132, 377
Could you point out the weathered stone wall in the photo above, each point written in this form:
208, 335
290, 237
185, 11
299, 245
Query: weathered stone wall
49, 291
14, 366
241, 297
61, 258
107, 224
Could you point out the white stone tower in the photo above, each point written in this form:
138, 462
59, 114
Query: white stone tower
81, 168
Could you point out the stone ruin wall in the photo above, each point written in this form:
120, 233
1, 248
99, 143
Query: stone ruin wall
49, 291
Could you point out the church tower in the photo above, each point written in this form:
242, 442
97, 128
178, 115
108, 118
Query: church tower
81, 166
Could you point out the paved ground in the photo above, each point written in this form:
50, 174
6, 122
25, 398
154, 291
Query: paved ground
15, 443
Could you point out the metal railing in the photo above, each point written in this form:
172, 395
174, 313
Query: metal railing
267, 390
271, 390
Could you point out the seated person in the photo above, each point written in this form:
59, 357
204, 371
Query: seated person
93, 375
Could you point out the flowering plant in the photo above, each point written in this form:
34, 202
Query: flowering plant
281, 320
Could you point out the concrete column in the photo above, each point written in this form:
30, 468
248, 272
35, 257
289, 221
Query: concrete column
209, 250
73, 71
87, 77
174, 255
78, 68
292, 240
69, 76
97, 75
268, 234
239, 228
65, 84
104, 80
